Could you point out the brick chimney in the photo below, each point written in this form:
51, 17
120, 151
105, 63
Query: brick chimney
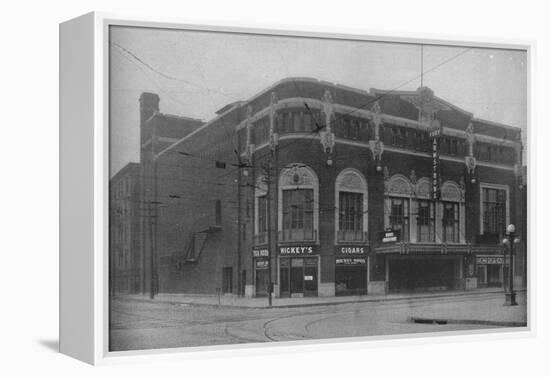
148, 105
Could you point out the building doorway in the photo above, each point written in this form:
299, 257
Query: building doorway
227, 280
261, 277
298, 276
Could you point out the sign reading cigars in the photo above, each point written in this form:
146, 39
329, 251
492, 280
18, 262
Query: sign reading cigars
351, 250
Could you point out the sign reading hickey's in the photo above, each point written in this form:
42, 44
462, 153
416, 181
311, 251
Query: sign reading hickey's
296, 250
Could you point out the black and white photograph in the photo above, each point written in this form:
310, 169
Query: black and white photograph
267, 187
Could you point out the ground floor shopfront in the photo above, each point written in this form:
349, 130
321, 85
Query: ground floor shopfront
297, 272
301, 271
423, 273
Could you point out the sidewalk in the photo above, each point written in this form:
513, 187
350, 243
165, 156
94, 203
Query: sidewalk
242, 302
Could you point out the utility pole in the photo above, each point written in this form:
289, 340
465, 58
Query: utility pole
269, 229
152, 202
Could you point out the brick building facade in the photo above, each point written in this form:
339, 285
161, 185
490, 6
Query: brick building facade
124, 230
326, 190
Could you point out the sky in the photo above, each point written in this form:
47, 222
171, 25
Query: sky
196, 73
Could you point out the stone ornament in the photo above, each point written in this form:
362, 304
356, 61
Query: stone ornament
400, 185
273, 136
351, 180
423, 188
298, 176
451, 192
327, 136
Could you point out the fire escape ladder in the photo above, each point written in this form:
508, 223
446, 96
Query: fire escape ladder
198, 240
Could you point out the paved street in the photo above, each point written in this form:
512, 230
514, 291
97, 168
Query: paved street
145, 324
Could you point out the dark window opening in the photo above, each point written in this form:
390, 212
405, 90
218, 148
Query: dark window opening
426, 221
399, 216
218, 212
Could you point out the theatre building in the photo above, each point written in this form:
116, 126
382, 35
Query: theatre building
324, 190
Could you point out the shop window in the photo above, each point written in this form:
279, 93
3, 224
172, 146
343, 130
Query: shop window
399, 216
425, 221
494, 211
451, 222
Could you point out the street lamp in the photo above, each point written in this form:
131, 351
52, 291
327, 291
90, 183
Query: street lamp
509, 240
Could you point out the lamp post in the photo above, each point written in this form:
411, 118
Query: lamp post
509, 240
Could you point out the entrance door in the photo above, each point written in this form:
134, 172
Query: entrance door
227, 280
310, 276
298, 277
262, 278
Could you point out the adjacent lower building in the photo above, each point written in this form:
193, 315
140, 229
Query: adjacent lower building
316, 189
124, 230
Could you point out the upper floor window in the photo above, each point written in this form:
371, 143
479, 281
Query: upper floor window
425, 221
351, 206
399, 216
260, 211
351, 211
218, 218
298, 214
297, 121
262, 214
298, 204
494, 211
451, 222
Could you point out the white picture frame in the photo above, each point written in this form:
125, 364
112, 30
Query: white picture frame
84, 160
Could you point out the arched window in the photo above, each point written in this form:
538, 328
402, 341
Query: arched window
397, 205
452, 212
298, 204
351, 204
425, 211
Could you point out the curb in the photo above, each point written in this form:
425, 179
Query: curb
444, 321
313, 304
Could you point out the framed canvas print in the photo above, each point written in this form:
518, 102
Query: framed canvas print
228, 187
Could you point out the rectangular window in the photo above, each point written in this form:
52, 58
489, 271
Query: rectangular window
355, 128
494, 211
403, 136
297, 122
298, 215
454, 147
347, 128
307, 122
451, 221
218, 212
350, 217
425, 222
262, 214
399, 216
